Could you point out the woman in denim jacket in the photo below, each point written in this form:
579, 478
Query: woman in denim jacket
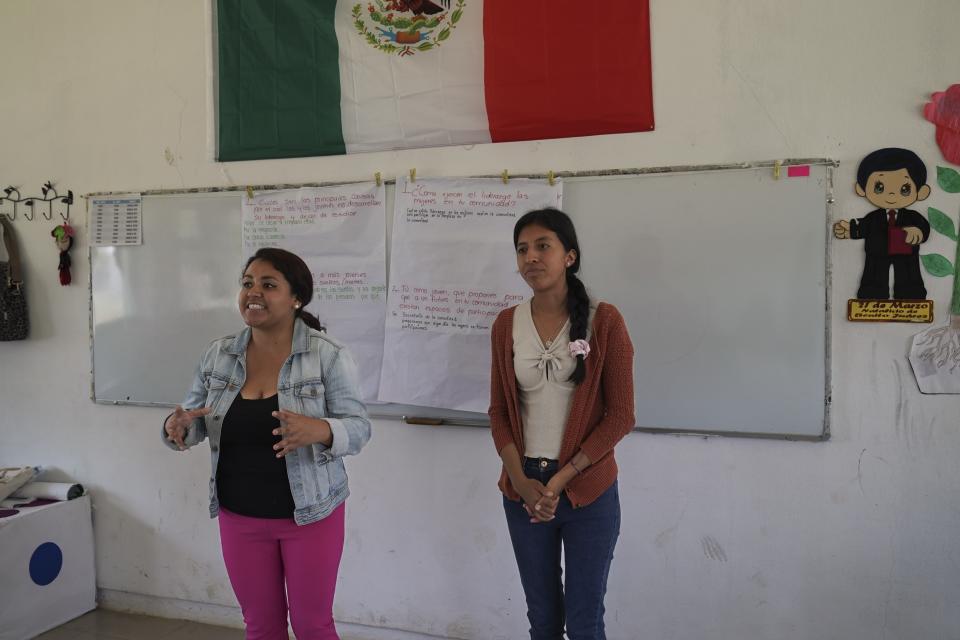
280, 404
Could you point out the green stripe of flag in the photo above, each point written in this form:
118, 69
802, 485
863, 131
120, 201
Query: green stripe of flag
278, 80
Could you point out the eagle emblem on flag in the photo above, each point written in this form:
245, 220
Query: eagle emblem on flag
406, 27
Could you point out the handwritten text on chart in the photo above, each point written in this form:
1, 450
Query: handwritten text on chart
324, 206
347, 286
438, 204
423, 308
275, 220
271, 220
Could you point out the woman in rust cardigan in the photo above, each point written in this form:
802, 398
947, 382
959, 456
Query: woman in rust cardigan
561, 397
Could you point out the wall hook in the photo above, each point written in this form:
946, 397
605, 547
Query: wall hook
67, 200
49, 196
46, 189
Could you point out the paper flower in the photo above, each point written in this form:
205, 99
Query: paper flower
943, 110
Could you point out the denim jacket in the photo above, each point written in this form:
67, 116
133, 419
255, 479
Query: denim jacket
318, 380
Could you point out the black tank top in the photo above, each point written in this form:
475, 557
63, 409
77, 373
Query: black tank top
251, 480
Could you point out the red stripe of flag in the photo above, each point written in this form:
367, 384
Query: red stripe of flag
559, 68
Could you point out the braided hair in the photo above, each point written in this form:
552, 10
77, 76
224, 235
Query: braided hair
298, 274
578, 302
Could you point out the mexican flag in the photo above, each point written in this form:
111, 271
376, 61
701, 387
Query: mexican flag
323, 77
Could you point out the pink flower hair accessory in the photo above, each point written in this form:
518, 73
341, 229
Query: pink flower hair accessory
580, 348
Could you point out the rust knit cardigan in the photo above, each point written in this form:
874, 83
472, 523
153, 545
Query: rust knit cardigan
601, 412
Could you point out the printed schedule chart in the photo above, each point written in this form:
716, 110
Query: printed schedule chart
116, 220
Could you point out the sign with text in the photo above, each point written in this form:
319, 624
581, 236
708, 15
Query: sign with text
340, 232
889, 310
116, 220
452, 270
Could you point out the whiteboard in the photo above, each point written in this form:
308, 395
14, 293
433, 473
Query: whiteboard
721, 274
155, 307
721, 277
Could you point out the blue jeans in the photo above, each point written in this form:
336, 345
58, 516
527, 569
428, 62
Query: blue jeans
587, 536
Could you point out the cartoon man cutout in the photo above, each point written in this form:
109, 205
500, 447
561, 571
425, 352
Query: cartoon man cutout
891, 179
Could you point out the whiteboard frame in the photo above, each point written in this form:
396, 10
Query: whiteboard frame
438, 417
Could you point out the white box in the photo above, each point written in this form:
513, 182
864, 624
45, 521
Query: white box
46, 567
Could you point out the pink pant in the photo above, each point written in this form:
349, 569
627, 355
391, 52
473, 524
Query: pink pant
262, 554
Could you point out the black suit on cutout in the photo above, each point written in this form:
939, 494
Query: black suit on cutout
907, 280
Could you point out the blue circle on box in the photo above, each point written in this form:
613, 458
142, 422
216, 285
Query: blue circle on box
45, 563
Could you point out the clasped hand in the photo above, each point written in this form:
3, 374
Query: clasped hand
539, 500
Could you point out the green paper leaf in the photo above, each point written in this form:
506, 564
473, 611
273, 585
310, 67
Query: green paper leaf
936, 265
942, 223
948, 179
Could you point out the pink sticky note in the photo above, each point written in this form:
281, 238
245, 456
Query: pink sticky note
799, 171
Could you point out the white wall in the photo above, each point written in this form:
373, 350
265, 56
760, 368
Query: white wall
854, 538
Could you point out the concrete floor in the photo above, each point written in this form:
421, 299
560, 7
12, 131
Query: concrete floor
101, 624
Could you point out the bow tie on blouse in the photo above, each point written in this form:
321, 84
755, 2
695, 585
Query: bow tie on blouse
548, 360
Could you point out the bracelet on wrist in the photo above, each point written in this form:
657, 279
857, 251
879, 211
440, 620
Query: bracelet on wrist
575, 467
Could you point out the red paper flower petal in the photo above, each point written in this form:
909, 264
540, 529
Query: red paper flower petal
943, 110
949, 143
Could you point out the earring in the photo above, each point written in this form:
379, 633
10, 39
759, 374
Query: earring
296, 306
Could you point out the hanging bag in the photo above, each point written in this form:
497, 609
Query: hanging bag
14, 324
